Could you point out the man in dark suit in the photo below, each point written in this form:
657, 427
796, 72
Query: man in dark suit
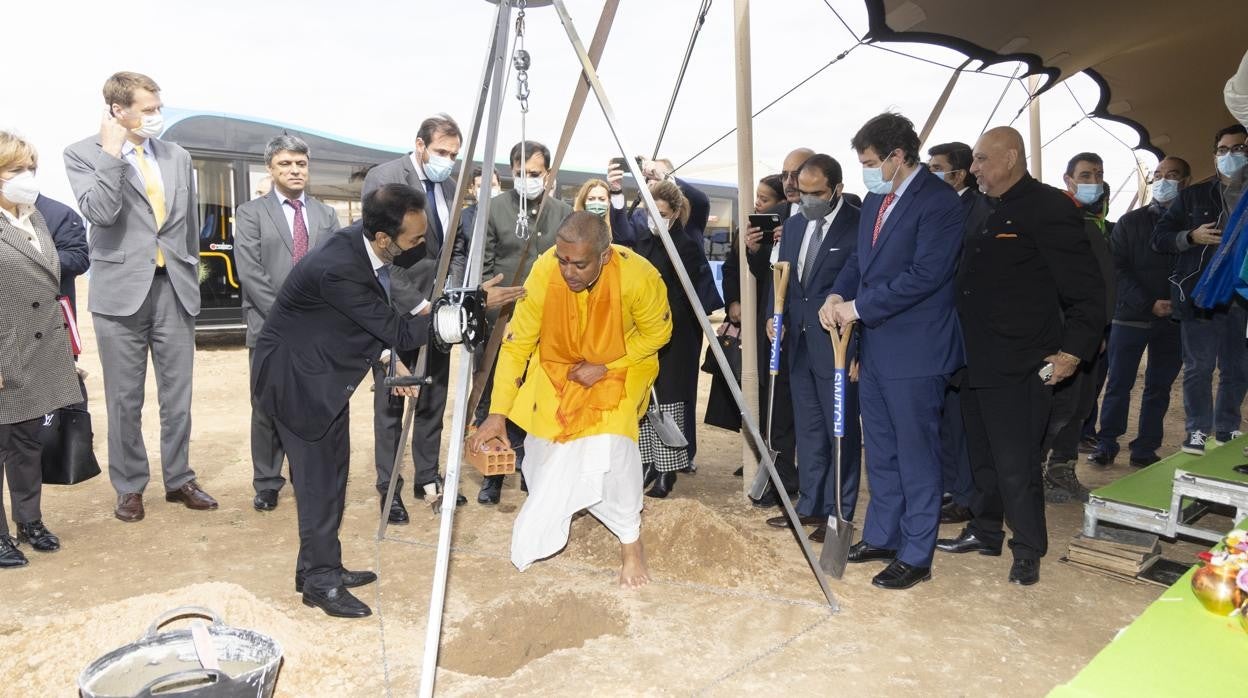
952, 161
427, 168
899, 285
817, 242
331, 321
271, 234
1031, 304
70, 237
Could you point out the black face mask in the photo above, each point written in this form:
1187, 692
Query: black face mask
406, 259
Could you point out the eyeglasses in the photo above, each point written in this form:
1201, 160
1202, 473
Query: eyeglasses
786, 175
1223, 150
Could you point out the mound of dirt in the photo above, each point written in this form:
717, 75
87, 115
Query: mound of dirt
43, 656
685, 541
498, 640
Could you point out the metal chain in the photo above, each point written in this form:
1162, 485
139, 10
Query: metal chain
520, 61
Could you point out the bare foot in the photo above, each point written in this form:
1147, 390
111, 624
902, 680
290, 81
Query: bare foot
633, 572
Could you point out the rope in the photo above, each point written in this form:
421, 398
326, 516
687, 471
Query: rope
450, 322
1000, 98
680, 77
779, 647
770, 104
843, 22
520, 59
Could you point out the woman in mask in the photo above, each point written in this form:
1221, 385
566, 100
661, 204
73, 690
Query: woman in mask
36, 365
593, 197
677, 384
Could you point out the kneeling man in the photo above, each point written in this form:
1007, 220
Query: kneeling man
575, 372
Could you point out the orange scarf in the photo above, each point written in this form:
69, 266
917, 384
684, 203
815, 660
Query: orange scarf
563, 346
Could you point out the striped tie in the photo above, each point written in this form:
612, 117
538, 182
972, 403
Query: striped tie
155, 196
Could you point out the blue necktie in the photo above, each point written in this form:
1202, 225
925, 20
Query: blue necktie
383, 277
435, 223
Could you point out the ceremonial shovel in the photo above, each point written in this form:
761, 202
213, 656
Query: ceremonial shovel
840, 533
780, 284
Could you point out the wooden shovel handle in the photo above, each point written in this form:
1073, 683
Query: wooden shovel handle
779, 285
840, 346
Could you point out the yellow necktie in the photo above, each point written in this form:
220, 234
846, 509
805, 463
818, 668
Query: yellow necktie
155, 196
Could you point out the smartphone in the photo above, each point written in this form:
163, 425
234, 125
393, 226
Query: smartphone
766, 222
1046, 371
621, 163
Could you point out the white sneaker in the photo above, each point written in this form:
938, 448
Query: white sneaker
1222, 437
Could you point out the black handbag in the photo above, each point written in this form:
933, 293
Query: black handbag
68, 448
721, 408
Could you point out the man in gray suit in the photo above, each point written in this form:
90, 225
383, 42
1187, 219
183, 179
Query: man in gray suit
138, 194
427, 168
271, 234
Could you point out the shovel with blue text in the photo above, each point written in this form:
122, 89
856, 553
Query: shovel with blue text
840, 534
779, 285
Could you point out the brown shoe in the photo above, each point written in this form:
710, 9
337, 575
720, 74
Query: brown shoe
820, 532
192, 496
129, 507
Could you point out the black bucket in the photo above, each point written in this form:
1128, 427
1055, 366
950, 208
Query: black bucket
204, 661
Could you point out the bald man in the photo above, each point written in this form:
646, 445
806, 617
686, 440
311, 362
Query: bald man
1025, 247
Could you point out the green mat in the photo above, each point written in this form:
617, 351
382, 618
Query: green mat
1175, 648
1151, 487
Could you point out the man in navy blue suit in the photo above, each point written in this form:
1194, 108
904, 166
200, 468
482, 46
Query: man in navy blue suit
899, 286
817, 242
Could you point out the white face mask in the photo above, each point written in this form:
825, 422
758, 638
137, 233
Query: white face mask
22, 189
151, 127
530, 187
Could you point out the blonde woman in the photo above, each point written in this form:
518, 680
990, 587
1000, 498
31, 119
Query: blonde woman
593, 197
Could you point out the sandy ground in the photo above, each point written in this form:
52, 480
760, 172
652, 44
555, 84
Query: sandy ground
733, 608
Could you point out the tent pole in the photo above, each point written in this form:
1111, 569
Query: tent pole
745, 204
1033, 113
933, 117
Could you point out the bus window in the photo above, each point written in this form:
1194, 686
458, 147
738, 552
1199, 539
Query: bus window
218, 279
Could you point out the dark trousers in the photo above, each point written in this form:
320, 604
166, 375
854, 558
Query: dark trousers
22, 468
318, 472
1005, 426
267, 453
1126, 347
1101, 372
1217, 340
782, 435
813, 416
426, 423
901, 429
1077, 403
954, 458
515, 435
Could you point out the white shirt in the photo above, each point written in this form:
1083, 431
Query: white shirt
289, 211
129, 154
810, 230
22, 222
794, 209
440, 204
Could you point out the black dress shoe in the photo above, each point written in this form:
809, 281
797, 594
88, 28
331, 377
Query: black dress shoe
419, 491
782, 521
899, 575
663, 484
349, 579
967, 542
39, 537
820, 532
398, 512
10, 556
648, 473
491, 490
863, 551
953, 512
337, 602
266, 500
1025, 572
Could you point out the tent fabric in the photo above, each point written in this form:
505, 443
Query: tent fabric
1161, 67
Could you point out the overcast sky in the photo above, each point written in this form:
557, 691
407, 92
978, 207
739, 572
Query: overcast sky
372, 70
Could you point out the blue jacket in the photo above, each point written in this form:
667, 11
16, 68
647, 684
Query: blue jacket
1196, 205
903, 286
804, 298
70, 237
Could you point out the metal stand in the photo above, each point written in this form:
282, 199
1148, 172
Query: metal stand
492, 85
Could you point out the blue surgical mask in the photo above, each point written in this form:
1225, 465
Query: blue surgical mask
598, 208
1088, 193
1231, 163
530, 187
1164, 190
438, 168
873, 178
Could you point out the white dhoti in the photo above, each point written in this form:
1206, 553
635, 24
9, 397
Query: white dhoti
601, 473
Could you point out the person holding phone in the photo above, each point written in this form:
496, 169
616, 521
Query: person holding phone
1192, 229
